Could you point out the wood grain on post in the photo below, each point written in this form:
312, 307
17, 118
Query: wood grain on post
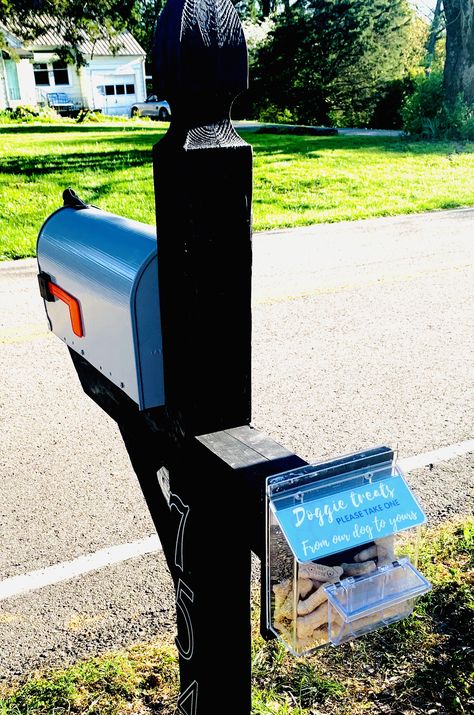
203, 184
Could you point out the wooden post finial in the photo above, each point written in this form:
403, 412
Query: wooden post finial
200, 61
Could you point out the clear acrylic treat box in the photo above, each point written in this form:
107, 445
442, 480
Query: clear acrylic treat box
335, 569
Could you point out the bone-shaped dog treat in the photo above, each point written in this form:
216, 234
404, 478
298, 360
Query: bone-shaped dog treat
314, 599
281, 591
320, 635
385, 550
285, 611
305, 625
317, 637
305, 586
358, 569
312, 602
374, 618
369, 553
286, 632
318, 572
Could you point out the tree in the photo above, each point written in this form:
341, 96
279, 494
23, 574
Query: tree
436, 30
74, 18
459, 64
141, 24
332, 56
258, 9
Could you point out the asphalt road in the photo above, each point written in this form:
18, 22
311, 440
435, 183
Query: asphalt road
362, 335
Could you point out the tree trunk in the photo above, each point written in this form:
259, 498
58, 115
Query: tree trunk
434, 33
266, 8
459, 65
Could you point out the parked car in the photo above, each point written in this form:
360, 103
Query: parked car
152, 107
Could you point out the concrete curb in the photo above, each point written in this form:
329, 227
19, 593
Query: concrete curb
22, 266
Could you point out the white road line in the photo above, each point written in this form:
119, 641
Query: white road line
438, 455
18, 585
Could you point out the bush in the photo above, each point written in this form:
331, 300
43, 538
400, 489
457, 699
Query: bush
422, 109
95, 116
467, 128
426, 115
272, 113
28, 113
348, 118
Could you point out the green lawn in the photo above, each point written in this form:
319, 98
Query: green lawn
298, 180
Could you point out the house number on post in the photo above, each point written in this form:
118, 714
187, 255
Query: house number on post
184, 594
188, 700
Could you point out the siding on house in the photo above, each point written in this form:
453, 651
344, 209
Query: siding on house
72, 88
87, 86
109, 82
16, 77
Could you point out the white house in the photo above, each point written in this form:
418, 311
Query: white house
32, 73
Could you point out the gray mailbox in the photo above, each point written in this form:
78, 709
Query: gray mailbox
98, 276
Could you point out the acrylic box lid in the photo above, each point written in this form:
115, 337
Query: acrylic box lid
323, 510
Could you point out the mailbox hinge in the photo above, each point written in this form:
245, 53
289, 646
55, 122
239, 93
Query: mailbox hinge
43, 281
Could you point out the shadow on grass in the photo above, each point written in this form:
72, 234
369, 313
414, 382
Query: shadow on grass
267, 145
103, 161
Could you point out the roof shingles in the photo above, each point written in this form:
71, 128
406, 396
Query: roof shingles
52, 36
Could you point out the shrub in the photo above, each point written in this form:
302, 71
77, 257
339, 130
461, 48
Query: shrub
347, 118
28, 113
426, 115
467, 128
95, 116
272, 113
423, 107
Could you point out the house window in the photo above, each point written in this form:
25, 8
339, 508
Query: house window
41, 74
60, 73
130, 88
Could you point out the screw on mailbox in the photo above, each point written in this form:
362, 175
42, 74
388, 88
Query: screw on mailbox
146, 298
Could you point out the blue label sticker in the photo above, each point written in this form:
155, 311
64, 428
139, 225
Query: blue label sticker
349, 518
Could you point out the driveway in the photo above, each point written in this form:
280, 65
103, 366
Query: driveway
253, 126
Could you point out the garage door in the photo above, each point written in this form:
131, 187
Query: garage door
116, 93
